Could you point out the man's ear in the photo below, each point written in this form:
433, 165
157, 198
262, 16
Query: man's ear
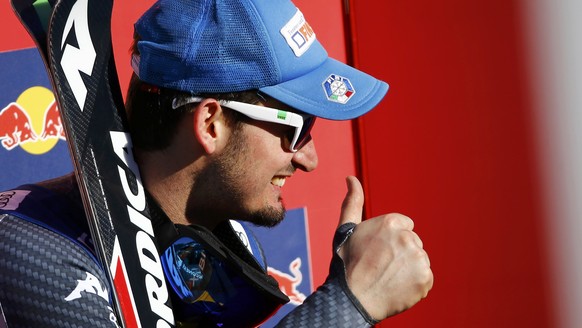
210, 128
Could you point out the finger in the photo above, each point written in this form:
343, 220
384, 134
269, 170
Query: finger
417, 239
353, 203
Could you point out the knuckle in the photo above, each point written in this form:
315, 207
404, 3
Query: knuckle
424, 283
404, 238
407, 238
427, 277
421, 256
399, 221
431, 281
392, 221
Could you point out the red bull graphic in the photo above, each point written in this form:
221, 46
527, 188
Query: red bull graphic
53, 127
288, 283
15, 126
32, 122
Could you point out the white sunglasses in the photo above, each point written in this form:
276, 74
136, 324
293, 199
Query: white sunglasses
302, 122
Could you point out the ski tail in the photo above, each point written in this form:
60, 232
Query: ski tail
35, 15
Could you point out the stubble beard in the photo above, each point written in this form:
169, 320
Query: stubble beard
221, 193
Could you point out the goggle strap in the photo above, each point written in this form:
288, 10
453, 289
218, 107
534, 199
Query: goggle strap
226, 234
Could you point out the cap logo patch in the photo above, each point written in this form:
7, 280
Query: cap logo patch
298, 34
338, 89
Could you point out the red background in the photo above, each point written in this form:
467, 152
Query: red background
452, 146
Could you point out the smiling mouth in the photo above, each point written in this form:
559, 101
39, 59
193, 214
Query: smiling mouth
278, 181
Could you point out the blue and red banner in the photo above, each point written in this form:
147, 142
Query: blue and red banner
287, 250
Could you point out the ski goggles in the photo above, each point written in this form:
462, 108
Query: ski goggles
217, 281
303, 123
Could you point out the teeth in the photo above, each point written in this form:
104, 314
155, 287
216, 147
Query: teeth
278, 181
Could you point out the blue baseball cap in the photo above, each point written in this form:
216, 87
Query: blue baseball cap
217, 46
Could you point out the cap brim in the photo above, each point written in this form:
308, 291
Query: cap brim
313, 93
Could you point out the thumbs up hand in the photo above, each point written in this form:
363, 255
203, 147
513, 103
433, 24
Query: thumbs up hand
387, 269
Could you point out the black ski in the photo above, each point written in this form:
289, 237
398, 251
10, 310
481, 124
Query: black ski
74, 39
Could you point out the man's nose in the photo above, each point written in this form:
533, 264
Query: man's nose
305, 158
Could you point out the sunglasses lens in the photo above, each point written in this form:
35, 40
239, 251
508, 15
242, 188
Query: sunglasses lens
305, 134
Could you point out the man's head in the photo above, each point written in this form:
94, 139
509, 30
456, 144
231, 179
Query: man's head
203, 60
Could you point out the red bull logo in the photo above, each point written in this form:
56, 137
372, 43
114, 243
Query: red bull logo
32, 122
288, 283
16, 127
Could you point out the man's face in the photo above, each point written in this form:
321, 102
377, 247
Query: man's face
245, 180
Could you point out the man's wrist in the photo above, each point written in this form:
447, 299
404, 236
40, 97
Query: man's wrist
338, 274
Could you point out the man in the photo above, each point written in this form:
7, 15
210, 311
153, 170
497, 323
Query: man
221, 105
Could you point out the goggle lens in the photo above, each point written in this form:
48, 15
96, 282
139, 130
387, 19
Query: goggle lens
212, 291
192, 268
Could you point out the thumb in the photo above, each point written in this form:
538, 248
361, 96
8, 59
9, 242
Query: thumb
353, 203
